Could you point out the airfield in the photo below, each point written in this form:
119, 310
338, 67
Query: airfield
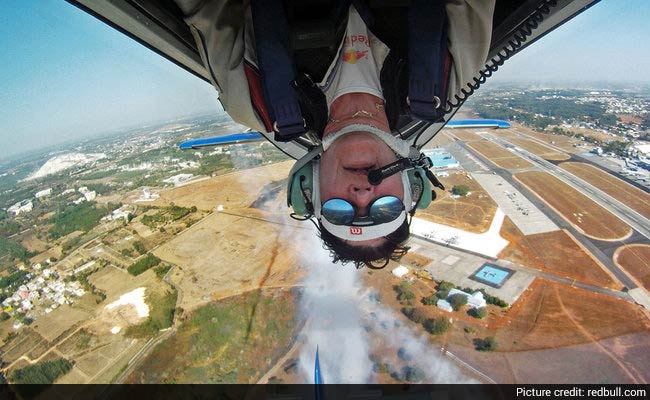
568, 229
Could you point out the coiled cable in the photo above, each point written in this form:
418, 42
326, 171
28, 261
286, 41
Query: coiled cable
518, 39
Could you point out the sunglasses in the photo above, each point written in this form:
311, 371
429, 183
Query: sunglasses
381, 210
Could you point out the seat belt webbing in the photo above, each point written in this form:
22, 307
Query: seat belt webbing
427, 54
277, 68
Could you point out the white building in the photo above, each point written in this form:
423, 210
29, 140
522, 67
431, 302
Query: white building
400, 271
178, 179
444, 305
90, 196
474, 300
43, 193
21, 207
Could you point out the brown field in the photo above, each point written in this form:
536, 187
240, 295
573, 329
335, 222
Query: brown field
251, 244
539, 149
560, 141
559, 334
233, 190
473, 213
499, 156
463, 134
226, 254
557, 252
25, 341
579, 210
555, 315
635, 259
629, 195
65, 317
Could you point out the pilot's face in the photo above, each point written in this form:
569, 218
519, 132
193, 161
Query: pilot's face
344, 173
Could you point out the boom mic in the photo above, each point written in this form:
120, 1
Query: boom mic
376, 176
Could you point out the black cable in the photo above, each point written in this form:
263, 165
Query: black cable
518, 39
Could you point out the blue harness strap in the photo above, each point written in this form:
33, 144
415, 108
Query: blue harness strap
277, 68
426, 58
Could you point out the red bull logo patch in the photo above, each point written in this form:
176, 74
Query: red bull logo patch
352, 56
355, 230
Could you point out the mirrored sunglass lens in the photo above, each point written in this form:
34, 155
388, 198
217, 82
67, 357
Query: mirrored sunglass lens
386, 209
338, 211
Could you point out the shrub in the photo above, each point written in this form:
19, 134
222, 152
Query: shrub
487, 344
139, 247
143, 264
436, 326
413, 374
460, 190
413, 314
445, 286
41, 373
479, 313
430, 300
457, 301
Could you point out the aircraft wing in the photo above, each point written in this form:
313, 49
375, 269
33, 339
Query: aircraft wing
159, 25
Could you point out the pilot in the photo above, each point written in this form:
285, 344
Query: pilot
360, 222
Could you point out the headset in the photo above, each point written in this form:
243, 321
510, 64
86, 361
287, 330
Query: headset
303, 185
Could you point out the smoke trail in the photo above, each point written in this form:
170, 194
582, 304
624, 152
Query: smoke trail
415, 345
339, 310
335, 321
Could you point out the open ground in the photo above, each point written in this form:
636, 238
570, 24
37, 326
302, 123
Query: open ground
562, 142
557, 252
635, 259
472, 213
463, 134
627, 194
579, 210
499, 156
539, 149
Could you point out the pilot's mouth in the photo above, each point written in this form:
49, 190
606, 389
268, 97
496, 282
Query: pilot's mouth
364, 169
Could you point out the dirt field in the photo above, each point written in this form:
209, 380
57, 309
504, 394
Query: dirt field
560, 141
618, 189
465, 135
51, 325
499, 156
473, 213
579, 210
233, 190
539, 149
557, 252
226, 254
559, 334
635, 259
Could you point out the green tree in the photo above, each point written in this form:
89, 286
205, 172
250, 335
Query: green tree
143, 264
479, 313
457, 301
430, 300
436, 326
460, 190
139, 247
487, 344
414, 314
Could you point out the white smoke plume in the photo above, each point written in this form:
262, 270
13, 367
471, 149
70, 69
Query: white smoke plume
339, 310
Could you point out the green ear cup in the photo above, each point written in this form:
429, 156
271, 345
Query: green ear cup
420, 185
297, 198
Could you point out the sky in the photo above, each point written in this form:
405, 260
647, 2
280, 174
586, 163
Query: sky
64, 75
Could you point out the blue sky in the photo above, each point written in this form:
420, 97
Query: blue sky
65, 75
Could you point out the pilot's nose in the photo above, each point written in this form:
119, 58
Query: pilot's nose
362, 195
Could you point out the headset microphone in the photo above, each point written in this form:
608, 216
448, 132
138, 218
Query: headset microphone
376, 176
